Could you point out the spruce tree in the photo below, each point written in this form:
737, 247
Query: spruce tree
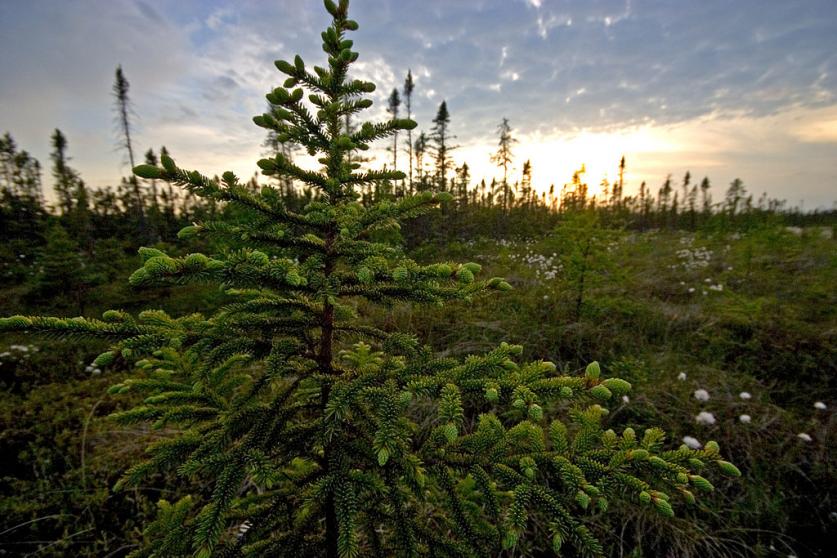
151, 159
663, 197
123, 123
65, 177
393, 105
318, 434
62, 277
619, 187
736, 193
526, 181
409, 87
503, 157
705, 197
441, 137
420, 148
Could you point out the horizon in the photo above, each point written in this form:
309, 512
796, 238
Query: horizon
741, 93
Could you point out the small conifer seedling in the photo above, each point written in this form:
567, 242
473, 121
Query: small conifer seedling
316, 434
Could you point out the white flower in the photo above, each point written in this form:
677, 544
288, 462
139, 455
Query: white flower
745, 419
681, 376
691, 442
819, 405
804, 437
546, 297
701, 395
745, 395
691, 289
626, 399
705, 417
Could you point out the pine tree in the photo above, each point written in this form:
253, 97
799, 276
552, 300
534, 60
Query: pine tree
321, 435
504, 157
420, 148
526, 181
619, 187
393, 105
663, 197
65, 177
463, 179
644, 204
687, 181
705, 196
409, 87
22, 211
79, 221
692, 202
123, 112
735, 194
62, 276
440, 136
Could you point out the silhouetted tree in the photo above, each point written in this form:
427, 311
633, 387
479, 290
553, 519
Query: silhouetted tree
526, 181
735, 194
705, 196
503, 157
663, 199
65, 177
123, 111
619, 187
393, 105
441, 143
420, 149
409, 86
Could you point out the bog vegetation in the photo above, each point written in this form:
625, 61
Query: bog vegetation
300, 365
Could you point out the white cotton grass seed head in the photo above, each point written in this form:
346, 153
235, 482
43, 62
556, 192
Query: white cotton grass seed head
804, 436
745, 419
705, 417
681, 376
820, 406
626, 399
691, 442
745, 395
701, 395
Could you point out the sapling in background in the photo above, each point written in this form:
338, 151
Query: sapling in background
316, 434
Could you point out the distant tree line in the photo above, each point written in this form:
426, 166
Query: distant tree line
137, 212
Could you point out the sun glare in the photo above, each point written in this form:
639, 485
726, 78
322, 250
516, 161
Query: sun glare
556, 158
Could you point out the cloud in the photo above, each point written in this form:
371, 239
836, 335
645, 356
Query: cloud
555, 69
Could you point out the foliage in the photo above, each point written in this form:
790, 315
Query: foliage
308, 440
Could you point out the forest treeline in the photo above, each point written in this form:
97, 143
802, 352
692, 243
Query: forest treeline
98, 222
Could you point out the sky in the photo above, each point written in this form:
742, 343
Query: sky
722, 89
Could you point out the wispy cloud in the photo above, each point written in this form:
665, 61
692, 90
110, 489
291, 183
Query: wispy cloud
685, 73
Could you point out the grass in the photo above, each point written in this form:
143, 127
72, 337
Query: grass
769, 330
